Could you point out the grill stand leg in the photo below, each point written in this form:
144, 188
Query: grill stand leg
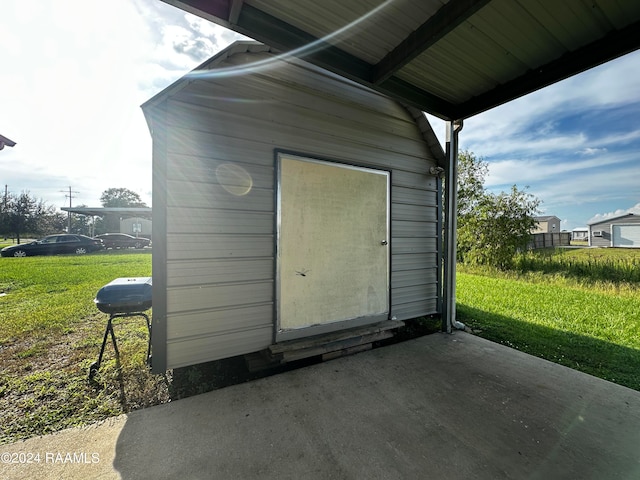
95, 366
146, 317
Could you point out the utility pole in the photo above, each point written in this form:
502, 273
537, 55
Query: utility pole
70, 197
4, 209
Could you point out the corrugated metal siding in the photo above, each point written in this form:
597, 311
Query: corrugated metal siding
184, 351
220, 246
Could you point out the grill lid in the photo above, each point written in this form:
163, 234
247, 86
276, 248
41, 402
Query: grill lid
125, 295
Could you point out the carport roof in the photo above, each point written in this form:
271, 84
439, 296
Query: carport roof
4, 141
144, 212
453, 58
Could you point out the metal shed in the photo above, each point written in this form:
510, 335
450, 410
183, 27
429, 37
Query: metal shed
289, 203
621, 231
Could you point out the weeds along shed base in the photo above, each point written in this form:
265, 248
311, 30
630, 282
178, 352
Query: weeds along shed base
288, 203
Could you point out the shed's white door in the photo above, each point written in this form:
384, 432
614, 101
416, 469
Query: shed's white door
333, 252
625, 235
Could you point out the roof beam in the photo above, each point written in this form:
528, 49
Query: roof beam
234, 11
289, 39
607, 48
409, 94
217, 11
283, 36
448, 17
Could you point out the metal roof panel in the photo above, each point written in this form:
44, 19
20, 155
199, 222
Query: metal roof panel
367, 29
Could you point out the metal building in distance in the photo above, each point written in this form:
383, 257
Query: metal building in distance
619, 231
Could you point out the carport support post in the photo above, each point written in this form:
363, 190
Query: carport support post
450, 228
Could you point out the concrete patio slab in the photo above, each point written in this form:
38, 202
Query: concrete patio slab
441, 406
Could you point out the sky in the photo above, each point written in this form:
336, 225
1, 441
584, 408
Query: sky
75, 72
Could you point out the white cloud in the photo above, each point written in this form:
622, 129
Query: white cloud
617, 213
548, 168
589, 188
591, 151
609, 84
525, 142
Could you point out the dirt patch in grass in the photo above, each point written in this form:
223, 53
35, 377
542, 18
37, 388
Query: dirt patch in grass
44, 384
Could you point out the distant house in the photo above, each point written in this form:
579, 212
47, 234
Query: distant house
136, 226
547, 233
580, 234
548, 224
622, 231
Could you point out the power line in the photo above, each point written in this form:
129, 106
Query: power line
70, 196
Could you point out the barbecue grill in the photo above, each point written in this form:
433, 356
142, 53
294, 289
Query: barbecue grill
123, 297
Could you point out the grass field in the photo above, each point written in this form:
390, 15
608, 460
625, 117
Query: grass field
579, 308
50, 294
51, 331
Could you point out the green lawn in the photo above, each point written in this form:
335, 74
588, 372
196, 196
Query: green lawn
51, 294
51, 331
585, 265
586, 323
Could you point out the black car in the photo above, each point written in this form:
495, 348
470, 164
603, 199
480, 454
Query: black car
122, 240
54, 245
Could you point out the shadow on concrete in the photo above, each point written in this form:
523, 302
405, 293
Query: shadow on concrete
440, 406
209, 376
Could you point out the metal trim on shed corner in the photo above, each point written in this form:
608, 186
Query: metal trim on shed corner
159, 228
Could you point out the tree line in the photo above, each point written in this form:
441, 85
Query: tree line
24, 215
